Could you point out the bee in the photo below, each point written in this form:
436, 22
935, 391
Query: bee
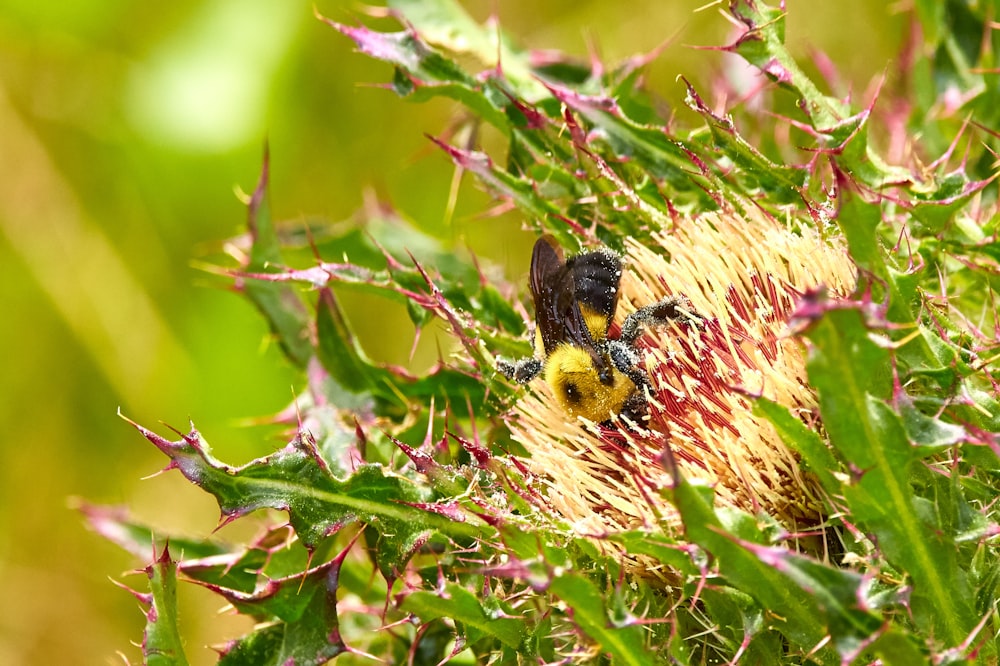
590, 374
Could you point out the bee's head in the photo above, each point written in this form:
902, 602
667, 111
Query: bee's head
586, 383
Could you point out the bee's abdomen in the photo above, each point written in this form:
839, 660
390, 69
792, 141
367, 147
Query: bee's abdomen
597, 276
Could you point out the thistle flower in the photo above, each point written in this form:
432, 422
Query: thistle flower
743, 272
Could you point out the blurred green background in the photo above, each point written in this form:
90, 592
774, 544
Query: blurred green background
126, 130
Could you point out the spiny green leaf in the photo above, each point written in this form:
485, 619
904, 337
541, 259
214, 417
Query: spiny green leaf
446, 23
763, 45
859, 222
116, 525
660, 156
392, 388
784, 184
407, 50
896, 648
927, 431
737, 614
519, 190
280, 305
296, 480
205, 560
840, 595
308, 628
161, 643
805, 442
624, 642
423, 72
465, 608
260, 646
848, 370
797, 612
937, 209
658, 546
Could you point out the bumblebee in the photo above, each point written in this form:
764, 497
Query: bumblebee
575, 302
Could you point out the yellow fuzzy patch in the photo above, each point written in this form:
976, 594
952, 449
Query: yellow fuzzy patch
570, 372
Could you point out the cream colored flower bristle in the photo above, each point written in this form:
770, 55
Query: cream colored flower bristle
743, 274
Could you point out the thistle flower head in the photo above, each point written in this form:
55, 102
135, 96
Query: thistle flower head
743, 273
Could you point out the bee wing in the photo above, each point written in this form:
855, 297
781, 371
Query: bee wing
557, 313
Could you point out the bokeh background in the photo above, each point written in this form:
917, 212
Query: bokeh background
127, 132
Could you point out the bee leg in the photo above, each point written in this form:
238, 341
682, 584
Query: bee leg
627, 361
635, 408
669, 309
625, 358
522, 371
